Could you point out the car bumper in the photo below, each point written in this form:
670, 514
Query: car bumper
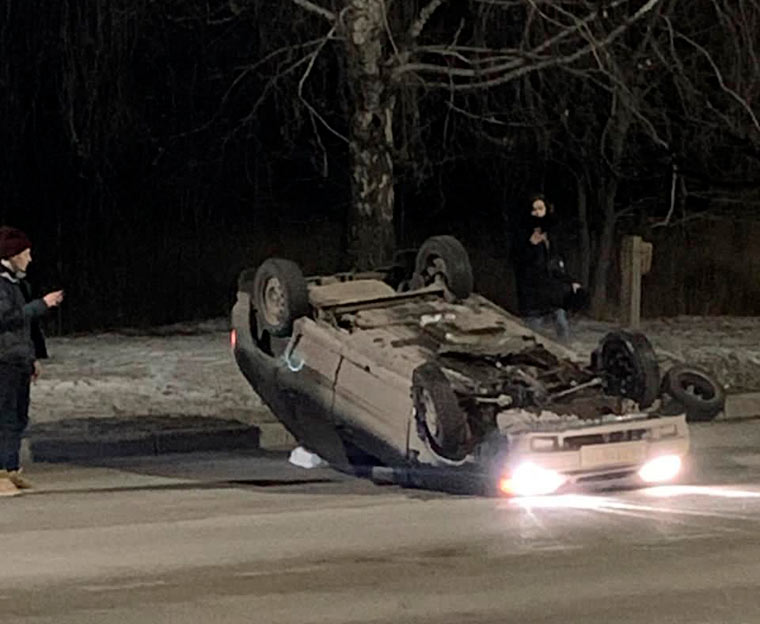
586, 459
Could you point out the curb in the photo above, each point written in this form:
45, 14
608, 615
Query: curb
741, 406
92, 438
99, 438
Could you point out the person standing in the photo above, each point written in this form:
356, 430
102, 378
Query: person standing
18, 354
545, 291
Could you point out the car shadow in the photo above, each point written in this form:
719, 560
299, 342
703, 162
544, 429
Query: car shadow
257, 471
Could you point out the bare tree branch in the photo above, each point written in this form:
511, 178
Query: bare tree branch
516, 68
269, 86
719, 75
313, 111
473, 116
425, 14
673, 186
388, 29
315, 8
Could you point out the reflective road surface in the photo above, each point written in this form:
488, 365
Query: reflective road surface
248, 538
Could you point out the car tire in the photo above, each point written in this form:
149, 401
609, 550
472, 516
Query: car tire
628, 365
446, 257
701, 396
440, 419
280, 295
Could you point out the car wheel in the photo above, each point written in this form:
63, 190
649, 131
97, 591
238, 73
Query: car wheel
280, 294
440, 419
627, 362
701, 396
444, 258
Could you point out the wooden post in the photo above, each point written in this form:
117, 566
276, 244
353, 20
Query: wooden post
635, 261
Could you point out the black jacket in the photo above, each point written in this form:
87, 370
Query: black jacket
543, 284
17, 318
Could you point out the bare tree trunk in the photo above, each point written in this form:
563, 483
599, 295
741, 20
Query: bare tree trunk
618, 126
370, 223
583, 233
605, 249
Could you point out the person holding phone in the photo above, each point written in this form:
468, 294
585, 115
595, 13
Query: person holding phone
18, 354
545, 290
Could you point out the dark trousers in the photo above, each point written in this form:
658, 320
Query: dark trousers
14, 413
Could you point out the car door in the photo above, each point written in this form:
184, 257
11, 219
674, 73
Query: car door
373, 403
307, 388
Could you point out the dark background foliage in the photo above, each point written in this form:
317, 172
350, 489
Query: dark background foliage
154, 149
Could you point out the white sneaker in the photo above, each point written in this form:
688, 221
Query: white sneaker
302, 458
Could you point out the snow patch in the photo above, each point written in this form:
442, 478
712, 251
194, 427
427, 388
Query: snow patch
112, 375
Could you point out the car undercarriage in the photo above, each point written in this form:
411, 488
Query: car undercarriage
419, 374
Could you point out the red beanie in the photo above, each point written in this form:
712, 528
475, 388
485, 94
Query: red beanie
12, 242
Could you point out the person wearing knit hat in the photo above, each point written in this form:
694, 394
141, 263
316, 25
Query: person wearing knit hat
12, 242
18, 359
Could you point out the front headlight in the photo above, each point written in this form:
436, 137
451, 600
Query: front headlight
661, 469
529, 479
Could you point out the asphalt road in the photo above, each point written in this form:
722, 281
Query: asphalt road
247, 538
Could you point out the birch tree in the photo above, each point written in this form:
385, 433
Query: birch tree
451, 47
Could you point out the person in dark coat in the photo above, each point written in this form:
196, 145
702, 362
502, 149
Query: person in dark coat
18, 355
545, 290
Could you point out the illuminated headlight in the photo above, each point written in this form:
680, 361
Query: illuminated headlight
233, 338
661, 469
528, 479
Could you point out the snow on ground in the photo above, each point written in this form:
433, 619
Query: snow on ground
166, 373
728, 347
188, 370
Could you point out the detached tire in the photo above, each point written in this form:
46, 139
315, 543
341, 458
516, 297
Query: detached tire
701, 396
280, 294
445, 257
627, 362
439, 417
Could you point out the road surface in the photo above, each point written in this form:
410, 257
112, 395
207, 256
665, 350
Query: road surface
247, 538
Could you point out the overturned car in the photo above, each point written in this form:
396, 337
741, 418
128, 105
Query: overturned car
405, 373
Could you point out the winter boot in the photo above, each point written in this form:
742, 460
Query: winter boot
19, 481
7, 487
